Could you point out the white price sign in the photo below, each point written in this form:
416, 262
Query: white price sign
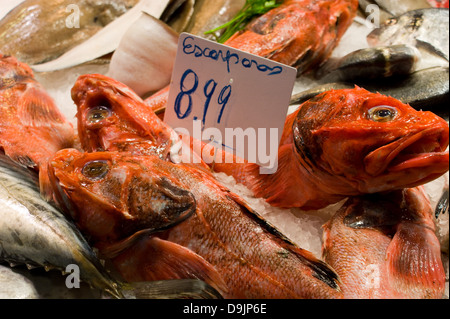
231, 99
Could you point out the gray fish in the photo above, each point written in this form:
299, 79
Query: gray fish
427, 29
35, 233
371, 63
37, 31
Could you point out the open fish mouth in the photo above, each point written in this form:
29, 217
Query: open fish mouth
413, 151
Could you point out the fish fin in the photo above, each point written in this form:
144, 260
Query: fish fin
36, 108
171, 289
320, 270
414, 261
45, 185
149, 258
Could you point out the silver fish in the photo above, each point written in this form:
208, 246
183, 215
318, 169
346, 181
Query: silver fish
37, 31
371, 63
427, 29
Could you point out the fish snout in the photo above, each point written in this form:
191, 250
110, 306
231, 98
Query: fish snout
414, 150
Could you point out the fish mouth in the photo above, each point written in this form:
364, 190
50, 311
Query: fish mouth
418, 150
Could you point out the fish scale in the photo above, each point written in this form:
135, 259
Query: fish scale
35, 233
244, 256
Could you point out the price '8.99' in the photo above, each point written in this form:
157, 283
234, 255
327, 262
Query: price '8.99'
209, 90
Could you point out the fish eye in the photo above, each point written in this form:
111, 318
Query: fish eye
98, 114
391, 21
383, 113
95, 170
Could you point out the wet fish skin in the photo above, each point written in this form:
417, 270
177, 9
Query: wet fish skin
35, 233
426, 89
300, 33
213, 233
220, 234
36, 32
209, 15
384, 246
417, 28
371, 63
332, 148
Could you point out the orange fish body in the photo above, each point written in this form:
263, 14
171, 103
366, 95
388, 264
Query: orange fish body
242, 255
347, 143
252, 258
300, 33
385, 247
32, 129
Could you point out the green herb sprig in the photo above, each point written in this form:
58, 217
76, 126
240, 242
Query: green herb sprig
251, 9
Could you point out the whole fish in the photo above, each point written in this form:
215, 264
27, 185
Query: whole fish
371, 63
345, 143
417, 28
221, 230
223, 243
32, 128
37, 31
300, 33
384, 246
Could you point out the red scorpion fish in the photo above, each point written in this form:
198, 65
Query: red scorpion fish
223, 241
116, 195
347, 143
32, 128
300, 33
389, 246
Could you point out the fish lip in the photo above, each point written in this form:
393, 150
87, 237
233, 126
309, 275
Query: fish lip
392, 157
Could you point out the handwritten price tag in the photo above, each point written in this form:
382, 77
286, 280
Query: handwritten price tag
231, 99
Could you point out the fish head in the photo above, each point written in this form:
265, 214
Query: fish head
373, 142
12, 71
112, 195
112, 117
